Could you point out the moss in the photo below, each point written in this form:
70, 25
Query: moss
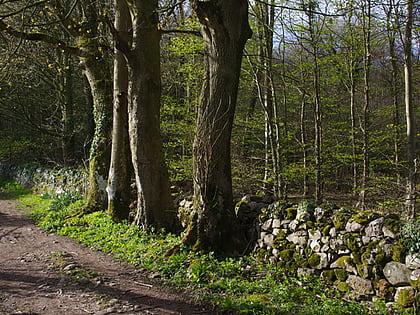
343, 261
263, 217
343, 286
290, 213
314, 260
309, 224
326, 230
261, 254
397, 253
279, 243
357, 256
291, 266
341, 274
405, 297
299, 259
415, 284
362, 270
339, 221
287, 254
350, 239
328, 276
382, 258
281, 235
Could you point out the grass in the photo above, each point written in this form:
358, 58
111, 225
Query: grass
231, 286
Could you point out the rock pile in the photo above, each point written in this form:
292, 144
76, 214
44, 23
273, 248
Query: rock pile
361, 253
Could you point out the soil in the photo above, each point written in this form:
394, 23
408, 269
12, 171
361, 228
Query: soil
43, 273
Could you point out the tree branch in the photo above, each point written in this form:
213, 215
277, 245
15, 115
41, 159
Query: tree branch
40, 37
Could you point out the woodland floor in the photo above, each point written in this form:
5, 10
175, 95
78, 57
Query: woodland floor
43, 273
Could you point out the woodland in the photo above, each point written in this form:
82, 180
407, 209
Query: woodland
305, 99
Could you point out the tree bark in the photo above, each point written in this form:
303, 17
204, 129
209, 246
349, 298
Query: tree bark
120, 166
155, 205
225, 29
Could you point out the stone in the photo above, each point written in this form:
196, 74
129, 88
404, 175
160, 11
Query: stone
365, 240
268, 240
276, 224
315, 245
303, 212
374, 228
333, 232
293, 225
319, 213
285, 223
388, 233
346, 263
353, 226
315, 235
267, 225
298, 238
306, 271
382, 288
397, 273
412, 261
360, 285
325, 248
415, 279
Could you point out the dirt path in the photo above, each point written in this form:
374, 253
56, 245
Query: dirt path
42, 273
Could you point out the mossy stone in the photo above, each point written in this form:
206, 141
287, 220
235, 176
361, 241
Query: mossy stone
299, 259
350, 240
287, 254
310, 224
314, 260
339, 221
357, 257
397, 253
328, 276
290, 213
405, 297
261, 254
393, 223
382, 258
343, 286
341, 274
343, 261
279, 243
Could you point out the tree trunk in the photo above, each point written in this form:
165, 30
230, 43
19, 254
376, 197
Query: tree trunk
120, 167
410, 114
225, 29
98, 76
155, 205
366, 21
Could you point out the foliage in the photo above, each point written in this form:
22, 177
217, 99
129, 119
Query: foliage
231, 285
411, 234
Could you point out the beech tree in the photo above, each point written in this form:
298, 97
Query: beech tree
118, 187
155, 207
225, 29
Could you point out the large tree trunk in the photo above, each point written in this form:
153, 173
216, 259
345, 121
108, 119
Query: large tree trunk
120, 167
155, 205
225, 29
98, 76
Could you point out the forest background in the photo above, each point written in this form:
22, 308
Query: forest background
321, 103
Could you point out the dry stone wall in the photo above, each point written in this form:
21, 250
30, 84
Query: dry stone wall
361, 253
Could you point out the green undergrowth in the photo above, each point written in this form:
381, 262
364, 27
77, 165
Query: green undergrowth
230, 285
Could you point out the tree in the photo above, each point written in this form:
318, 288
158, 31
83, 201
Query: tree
83, 40
225, 29
120, 166
154, 202
410, 115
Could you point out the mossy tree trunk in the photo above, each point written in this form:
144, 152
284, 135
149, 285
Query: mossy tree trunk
155, 205
225, 29
120, 167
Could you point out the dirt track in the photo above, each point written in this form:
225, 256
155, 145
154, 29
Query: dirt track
42, 273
